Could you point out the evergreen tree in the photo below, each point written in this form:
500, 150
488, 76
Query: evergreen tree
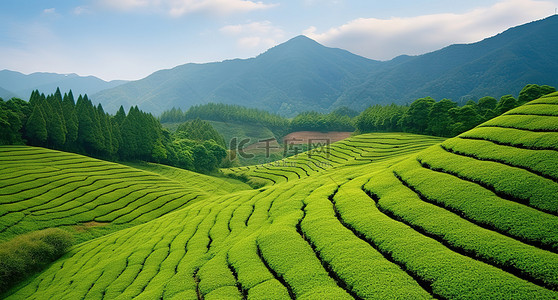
131, 137
86, 136
105, 131
120, 116
55, 124
34, 98
70, 116
35, 129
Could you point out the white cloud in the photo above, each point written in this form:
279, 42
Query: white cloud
49, 11
386, 38
178, 8
254, 34
80, 10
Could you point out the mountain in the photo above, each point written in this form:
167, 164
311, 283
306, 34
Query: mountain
303, 75
297, 75
22, 85
495, 66
5, 94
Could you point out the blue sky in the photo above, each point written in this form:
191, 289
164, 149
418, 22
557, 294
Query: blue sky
130, 39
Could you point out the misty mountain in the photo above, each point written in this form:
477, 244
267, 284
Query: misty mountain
5, 94
21, 85
295, 76
495, 66
303, 75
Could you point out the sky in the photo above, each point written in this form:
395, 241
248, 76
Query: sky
130, 39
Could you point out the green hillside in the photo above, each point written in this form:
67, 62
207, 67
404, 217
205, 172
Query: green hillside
356, 151
41, 188
392, 216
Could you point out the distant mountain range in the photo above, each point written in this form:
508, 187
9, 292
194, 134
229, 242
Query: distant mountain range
15, 84
301, 75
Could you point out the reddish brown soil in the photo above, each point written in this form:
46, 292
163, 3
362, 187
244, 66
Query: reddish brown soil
88, 225
302, 137
299, 137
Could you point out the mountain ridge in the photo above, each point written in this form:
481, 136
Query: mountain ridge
319, 74
301, 75
442, 73
21, 85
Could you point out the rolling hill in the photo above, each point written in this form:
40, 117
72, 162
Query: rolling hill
42, 188
21, 85
302, 75
392, 216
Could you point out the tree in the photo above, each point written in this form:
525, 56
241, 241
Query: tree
416, 118
36, 131
487, 103
380, 118
130, 135
120, 116
70, 116
54, 122
439, 119
487, 107
506, 103
464, 118
203, 159
199, 130
10, 125
533, 91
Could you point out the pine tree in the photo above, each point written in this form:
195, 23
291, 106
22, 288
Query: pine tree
130, 138
120, 116
70, 116
56, 128
85, 124
35, 129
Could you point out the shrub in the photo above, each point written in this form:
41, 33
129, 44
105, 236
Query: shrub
27, 253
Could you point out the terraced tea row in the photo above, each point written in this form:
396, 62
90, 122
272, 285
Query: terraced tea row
357, 150
42, 188
471, 218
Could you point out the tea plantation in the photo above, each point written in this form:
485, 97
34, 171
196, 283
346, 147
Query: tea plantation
376, 216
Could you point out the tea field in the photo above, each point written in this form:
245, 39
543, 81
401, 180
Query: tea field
375, 216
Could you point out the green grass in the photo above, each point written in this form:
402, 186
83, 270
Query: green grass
384, 215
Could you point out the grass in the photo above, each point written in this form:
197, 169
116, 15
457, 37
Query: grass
381, 215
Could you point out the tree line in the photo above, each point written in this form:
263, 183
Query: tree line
338, 120
443, 118
228, 113
59, 122
424, 116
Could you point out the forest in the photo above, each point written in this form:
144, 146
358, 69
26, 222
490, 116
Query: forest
59, 122
443, 118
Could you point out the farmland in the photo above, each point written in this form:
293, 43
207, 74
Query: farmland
378, 215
